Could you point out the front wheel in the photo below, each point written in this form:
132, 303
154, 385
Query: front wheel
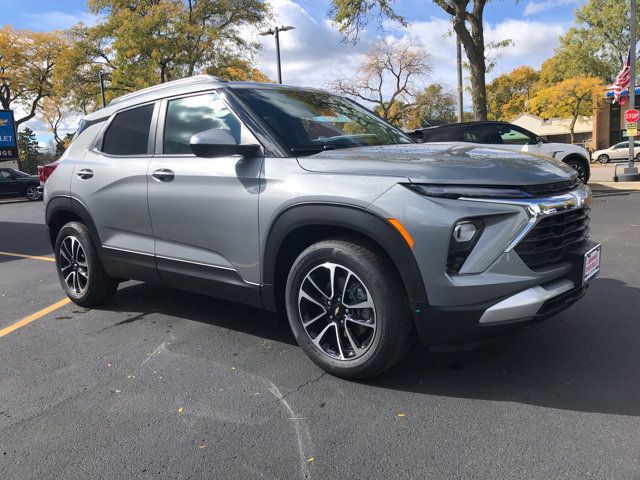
32, 193
79, 269
579, 167
347, 309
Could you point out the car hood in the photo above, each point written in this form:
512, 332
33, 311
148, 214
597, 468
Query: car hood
448, 163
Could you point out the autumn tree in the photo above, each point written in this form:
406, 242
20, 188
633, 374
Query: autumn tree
27, 62
569, 99
386, 76
144, 42
509, 94
467, 20
434, 103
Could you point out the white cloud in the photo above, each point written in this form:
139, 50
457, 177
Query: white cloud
311, 54
57, 20
534, 8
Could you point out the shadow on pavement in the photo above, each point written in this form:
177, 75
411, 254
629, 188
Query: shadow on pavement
144, 299
585, 359
23, 238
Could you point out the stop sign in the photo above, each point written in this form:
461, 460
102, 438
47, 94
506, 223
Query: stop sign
632, 116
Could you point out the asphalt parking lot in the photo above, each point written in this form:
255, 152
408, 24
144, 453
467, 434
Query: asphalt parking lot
166, 384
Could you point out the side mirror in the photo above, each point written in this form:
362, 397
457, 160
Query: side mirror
218, 142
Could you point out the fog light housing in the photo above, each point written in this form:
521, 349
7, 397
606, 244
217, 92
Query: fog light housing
464, 237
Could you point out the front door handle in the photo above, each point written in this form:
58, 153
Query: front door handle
164, 175
85, 173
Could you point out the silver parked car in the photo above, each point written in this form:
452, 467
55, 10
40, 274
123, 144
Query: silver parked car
619, 151
297, 200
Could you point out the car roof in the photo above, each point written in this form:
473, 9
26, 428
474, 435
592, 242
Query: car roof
182, 86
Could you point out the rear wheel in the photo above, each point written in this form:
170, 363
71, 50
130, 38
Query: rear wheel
79, 269
603, 158
347, 309
32, 193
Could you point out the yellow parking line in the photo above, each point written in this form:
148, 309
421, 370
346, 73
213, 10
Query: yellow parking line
32, 257
34, 316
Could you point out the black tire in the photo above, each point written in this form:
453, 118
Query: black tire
603, 158
394, 326
99, 287
31, 192
579, 167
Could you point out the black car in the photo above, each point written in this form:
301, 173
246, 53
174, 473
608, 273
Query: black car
14, 183
507, 136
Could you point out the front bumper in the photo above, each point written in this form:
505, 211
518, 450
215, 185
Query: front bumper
457, 325
496, 291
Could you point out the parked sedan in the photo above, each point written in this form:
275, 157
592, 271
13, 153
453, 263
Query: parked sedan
619, 151
14, 183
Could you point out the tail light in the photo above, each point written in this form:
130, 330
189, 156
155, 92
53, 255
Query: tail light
45, 171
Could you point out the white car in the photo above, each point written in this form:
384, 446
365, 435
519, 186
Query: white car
508, 136
619, 151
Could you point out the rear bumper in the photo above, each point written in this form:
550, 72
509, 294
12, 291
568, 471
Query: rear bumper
456, 325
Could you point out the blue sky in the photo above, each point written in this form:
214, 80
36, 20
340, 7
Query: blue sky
315, 53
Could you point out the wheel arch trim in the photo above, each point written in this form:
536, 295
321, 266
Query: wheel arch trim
345, 217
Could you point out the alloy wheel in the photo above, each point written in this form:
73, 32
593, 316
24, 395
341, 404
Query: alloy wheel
73, 265
337, 311
32, 193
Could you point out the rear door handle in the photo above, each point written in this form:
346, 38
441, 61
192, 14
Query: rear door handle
164, 175
85, 173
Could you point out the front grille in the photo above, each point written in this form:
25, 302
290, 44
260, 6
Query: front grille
549, 242
550, 189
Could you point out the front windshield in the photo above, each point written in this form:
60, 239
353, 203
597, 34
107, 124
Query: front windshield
311, 121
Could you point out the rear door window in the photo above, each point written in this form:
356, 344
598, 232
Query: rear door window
128, 133
486, 134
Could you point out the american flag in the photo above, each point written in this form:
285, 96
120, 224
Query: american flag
622, 81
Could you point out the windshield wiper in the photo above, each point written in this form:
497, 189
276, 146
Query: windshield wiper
313, 148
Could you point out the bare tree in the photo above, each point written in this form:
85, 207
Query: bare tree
387, 75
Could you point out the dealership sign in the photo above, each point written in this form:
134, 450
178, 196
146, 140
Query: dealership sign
8, 139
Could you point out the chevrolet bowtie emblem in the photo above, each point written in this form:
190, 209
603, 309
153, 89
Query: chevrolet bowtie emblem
3, 122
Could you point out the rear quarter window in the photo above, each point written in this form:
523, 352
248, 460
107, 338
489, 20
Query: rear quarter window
128, 133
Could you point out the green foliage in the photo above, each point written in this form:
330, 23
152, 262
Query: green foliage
28, 150
598, 43
435, 102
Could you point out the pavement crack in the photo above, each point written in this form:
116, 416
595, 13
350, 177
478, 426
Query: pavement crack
306, 384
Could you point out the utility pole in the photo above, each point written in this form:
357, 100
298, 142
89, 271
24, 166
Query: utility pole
459, 68
630, 174
275, 31
104, 100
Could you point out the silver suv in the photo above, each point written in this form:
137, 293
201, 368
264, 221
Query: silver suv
295, 199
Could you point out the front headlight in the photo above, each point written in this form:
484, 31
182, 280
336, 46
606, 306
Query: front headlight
466, 191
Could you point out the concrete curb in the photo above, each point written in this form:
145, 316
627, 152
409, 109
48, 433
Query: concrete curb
608, 186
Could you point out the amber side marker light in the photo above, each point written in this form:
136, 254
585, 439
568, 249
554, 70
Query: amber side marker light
403, 231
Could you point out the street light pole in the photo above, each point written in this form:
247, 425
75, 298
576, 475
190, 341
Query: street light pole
275, 31
104, 100
630, 173
632, 82
459, 69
